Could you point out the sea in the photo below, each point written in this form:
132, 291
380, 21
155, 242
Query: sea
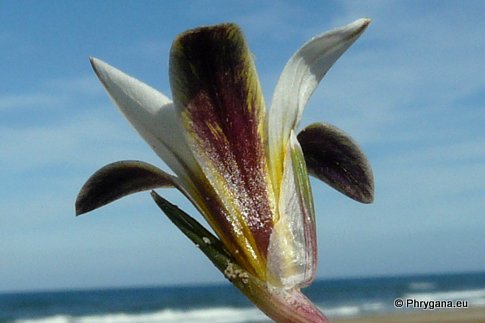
224, 304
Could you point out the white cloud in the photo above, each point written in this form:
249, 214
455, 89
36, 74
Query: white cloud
50, 94
84, 85
405, 80
29, 101
72, 123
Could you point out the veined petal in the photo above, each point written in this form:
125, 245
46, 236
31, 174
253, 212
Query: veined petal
119, 179
333, 157
292, 254
152, 114
297, 82
217, 93
154, 117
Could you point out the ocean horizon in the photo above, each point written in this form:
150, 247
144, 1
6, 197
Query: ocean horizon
221, 303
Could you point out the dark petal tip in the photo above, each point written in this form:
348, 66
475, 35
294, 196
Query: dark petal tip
117, 180
333, 157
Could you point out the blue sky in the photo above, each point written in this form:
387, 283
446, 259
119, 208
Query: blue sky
411, 91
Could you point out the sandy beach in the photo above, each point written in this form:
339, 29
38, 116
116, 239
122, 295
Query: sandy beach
470, 315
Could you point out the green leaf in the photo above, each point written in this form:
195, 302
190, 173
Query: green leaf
210, 245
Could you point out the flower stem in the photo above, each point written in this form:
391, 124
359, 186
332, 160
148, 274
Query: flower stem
281, 305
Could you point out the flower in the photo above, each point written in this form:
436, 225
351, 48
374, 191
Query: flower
245, 170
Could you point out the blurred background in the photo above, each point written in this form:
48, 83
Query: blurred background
410, 91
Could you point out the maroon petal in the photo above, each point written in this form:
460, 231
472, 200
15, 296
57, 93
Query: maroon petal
119, 179
217, 93
332, 156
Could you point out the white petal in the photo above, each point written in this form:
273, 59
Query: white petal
151, 113
292, 251
297, 82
